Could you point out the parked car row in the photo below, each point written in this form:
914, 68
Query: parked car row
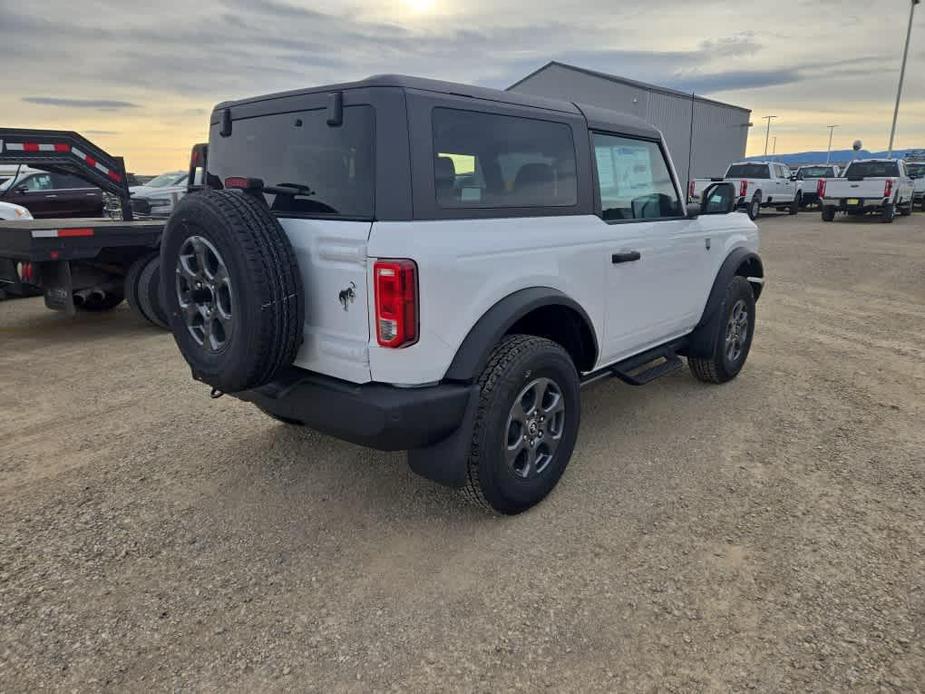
886, 187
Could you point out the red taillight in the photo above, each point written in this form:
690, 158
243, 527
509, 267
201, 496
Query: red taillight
74, 233
25, 272
888, 187
820, 187
396, 288
237, 182
743, 188
690, 189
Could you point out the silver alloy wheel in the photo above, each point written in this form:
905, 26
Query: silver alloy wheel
736, 331
204, 293
534, 428
756, 208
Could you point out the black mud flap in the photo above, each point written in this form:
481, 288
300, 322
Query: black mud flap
446, 461
56, 281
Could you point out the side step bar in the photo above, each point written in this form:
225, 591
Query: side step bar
642, 368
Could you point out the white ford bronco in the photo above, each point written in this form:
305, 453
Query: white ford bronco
417, 265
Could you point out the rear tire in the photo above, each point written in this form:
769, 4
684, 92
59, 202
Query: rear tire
526, 426
754, 207
733, 339
149, 293
130, 286
828, 213
888, 213
906, 209
795, 205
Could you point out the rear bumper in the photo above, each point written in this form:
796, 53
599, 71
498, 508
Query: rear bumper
854, 204
372, 414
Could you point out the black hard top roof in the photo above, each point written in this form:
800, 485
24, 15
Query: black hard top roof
597, 117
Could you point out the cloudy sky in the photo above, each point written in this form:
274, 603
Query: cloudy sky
141, 78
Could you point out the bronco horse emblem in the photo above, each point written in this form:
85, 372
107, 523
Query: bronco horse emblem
348, 295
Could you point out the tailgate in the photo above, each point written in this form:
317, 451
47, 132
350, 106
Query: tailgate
332, 262
869, 188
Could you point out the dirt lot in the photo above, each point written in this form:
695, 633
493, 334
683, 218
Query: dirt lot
768, 534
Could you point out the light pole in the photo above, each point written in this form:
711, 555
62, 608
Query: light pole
902, 74
828, 152
767, 135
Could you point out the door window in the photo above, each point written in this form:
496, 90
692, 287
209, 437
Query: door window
68, 182
486, 160
634, 179
38, 182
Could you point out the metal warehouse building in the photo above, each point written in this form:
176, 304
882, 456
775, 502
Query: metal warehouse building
717, 131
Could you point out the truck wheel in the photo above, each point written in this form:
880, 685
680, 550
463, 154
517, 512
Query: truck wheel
232, 289
526, 426
733, 339
795, 205
754, 207
828, 213
906, 210
888, 213
922, 205
106, 302
149, 293
130, 286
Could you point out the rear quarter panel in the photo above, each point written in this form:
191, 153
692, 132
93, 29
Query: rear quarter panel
467, 266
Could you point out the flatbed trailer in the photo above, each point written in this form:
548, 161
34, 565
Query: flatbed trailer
82, 264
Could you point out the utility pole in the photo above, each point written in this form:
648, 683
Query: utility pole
767, 135
828, 152
902, 74
774, 151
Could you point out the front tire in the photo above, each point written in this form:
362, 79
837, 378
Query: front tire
733, 338
526, 426
795, 205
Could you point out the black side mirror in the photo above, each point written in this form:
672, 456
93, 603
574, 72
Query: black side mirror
718, 198
693, 210
21, 189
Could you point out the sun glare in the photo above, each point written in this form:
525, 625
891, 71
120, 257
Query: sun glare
419, 5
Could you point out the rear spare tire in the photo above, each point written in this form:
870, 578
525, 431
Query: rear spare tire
231, 289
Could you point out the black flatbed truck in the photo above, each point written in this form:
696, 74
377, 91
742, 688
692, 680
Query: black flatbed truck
81, 264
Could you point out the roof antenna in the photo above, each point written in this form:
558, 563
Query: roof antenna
690, 143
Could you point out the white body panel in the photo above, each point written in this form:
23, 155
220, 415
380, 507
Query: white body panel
332, 259
14, 212
869, 189
465, 267
776, 189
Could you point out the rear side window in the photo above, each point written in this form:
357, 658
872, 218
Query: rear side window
872, 169
634, 179
309, 168
485, 160
748, 171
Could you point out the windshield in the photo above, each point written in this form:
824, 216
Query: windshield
308, 168
917, 169
167, 179
872, 169
748, 171
816, 172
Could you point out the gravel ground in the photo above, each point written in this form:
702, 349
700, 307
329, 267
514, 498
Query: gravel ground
764, 535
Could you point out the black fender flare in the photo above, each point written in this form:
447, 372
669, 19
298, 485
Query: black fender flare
703, 336
475, 350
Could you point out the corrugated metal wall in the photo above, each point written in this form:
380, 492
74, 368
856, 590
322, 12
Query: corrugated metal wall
719, 132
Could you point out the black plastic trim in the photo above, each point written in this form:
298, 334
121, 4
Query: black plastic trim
372, 414
476, 348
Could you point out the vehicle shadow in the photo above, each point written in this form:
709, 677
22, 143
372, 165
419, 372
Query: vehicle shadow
27, 319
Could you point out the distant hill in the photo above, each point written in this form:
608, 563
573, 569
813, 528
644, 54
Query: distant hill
839, 156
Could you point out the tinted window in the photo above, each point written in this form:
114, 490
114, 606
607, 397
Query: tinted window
816, 172
488, 160
38, 182
865, 169
634, 179
68, 181
748, 171
917, 170
307, 167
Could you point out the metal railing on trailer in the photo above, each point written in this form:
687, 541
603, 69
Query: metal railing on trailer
62, 151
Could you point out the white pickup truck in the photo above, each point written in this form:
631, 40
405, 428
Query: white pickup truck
810, 176
868, 185
916, 171
758, 184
